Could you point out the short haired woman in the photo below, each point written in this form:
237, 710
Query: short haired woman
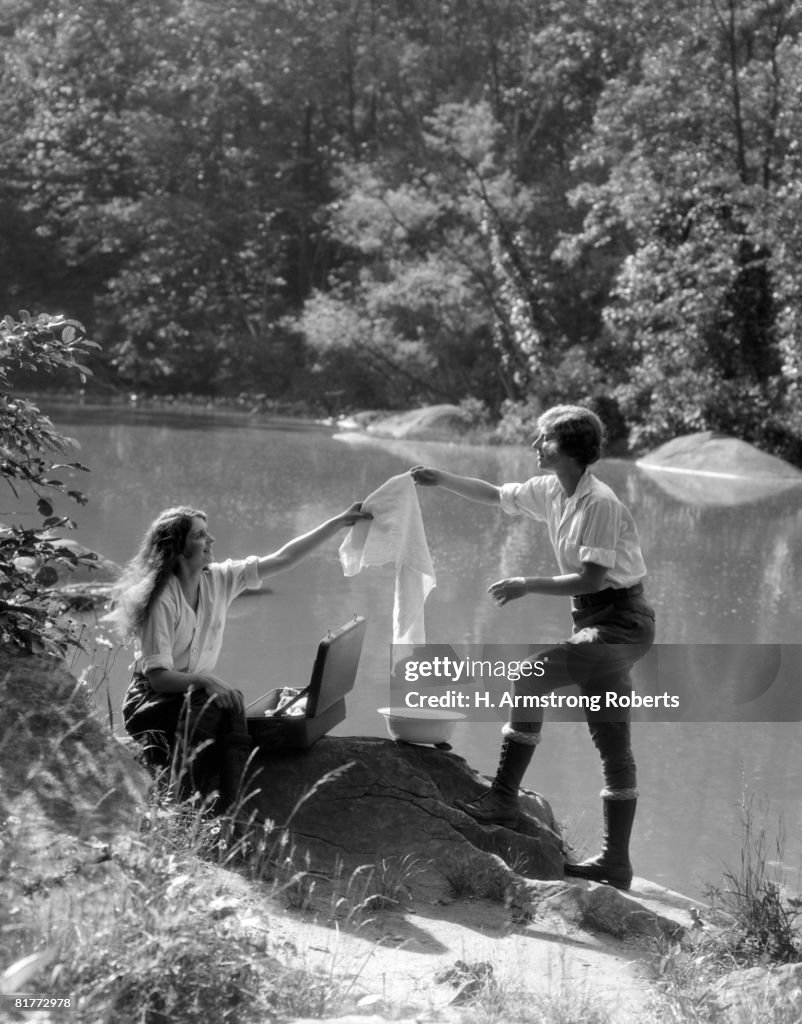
601, 568
172, 600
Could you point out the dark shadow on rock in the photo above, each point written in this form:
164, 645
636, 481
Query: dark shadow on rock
351, 801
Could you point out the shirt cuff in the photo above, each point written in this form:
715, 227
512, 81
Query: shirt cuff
156, 661
252, 581
600, 556
508, 494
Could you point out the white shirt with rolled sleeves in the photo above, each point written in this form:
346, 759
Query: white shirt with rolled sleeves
177, 637
592, 525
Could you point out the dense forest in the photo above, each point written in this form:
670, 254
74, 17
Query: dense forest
385, 203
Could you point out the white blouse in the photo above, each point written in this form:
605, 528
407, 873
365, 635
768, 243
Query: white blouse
593, 525
175, 636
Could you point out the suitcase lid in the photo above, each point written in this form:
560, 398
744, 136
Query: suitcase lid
336, 663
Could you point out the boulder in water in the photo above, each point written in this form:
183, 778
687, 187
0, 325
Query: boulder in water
711, 469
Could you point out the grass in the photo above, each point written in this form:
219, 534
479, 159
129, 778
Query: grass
466, 880
764, 916
142, 926
136, 926
389, 882
153, 935
486, 998
752, 921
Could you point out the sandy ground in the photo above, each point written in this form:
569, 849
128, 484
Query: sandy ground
394, 965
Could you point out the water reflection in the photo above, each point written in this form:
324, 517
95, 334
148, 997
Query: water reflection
719, 574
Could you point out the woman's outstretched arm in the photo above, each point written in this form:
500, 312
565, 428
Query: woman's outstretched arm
297, 549
469, 487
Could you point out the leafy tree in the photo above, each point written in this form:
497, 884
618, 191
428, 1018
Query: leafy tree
448, 284
183, 161
700, 153
176, 165
367, 202
30, 615
166, 158
419, 304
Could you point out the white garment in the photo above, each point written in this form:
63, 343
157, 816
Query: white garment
395, 534
174, 636
593, 525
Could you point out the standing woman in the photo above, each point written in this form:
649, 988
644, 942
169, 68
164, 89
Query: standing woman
172, 600
601, 569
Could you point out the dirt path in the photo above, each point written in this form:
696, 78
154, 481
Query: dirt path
403, 964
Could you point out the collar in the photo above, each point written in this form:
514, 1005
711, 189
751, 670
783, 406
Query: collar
583, 487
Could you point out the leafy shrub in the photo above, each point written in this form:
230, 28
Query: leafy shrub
30, 555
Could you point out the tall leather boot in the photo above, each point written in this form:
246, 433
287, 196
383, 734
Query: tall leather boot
499, 805
612, 864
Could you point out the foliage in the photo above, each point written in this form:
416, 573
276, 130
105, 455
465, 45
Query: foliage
189, 177
153, 135
700, 153
381, 205
765, 918
30, 555
752, 922
433, 300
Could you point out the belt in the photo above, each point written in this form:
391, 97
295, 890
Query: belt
608, 596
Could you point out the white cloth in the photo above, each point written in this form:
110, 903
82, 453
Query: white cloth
395, 534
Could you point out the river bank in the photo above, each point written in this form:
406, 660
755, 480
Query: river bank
115, 894
139, 910
130, 903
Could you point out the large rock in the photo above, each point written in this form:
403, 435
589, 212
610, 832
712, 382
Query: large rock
646, 911
433, 423
350, 801
711, 469
60, 767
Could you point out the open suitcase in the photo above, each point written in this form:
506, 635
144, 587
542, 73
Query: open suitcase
322, 701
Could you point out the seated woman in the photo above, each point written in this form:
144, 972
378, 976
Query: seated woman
172, 600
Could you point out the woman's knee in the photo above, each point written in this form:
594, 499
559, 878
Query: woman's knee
202, 717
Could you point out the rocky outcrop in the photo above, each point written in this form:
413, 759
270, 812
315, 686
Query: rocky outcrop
349, 800
710, 469
647, 911
433, 423
708, 452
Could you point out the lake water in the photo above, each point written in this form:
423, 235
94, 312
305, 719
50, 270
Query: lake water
719, 574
